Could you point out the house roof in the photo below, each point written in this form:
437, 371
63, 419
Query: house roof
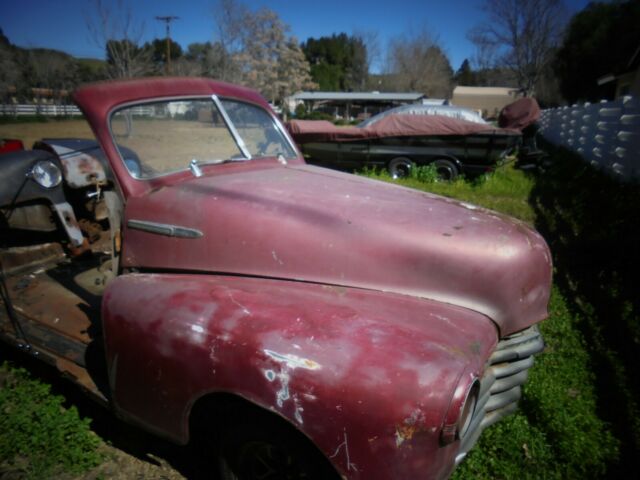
362, 96
484, 91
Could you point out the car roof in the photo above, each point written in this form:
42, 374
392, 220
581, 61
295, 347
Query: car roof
98, 99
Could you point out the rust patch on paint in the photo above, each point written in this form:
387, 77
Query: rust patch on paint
409, 427
293, 361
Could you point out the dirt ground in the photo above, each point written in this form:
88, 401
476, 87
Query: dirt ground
124, 466
30, 132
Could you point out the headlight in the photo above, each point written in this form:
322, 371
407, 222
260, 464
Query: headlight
46, 174
461, 410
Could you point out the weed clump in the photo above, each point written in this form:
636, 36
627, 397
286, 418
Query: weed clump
39, 437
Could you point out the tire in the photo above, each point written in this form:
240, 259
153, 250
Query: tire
447, 170
400, 167
257, 445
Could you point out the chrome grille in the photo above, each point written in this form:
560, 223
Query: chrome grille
506, 371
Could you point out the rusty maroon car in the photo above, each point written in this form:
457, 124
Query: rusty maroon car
193, 274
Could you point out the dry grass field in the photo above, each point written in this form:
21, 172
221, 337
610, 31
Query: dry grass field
30, 132
165, 145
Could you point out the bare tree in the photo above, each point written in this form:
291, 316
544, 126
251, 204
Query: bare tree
293, 70
371, 41
113, 28
50, 69
416, 62
261, 50
254, 48
232, 21
519, 35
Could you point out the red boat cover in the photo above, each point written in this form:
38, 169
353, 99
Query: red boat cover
519, 114
306, 131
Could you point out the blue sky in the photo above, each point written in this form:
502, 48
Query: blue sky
61, 24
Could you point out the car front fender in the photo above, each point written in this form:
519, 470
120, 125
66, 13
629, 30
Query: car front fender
367, 376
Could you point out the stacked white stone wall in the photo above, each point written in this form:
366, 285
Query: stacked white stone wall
606, 134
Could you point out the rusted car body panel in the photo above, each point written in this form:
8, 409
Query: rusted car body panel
17, 189
312, 353
82, 161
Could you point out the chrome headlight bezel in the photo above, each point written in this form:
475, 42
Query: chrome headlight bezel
46, 174
461, 410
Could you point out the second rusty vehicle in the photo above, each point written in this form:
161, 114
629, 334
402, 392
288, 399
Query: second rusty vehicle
198, 278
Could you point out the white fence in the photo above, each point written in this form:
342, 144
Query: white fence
42, 109
58, 110
606, 134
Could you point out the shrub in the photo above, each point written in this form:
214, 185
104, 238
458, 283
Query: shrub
425, 173
301, 111
313, 116
38, 436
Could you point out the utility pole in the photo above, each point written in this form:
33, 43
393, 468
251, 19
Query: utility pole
168, 19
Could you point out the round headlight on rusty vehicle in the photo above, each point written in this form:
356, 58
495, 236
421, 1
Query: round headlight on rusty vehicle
461, 410
46, 174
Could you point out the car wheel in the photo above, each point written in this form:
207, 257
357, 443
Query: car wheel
447, 170
262, 446
268, 452
400, 167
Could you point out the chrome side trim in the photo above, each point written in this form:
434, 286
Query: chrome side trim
232, 127
164, 229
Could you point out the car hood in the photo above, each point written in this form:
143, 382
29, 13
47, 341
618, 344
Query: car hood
315, 225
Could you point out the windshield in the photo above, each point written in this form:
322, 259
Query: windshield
166, 136
258, 130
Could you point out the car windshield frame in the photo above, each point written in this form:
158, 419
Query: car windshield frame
217, 101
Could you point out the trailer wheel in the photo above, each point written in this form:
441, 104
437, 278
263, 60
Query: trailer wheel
400, 167
447, 170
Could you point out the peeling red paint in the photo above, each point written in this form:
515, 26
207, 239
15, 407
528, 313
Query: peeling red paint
297, 358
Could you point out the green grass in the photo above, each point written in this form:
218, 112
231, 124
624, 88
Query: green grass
505, 190
564, 428
39, 437
557, 432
